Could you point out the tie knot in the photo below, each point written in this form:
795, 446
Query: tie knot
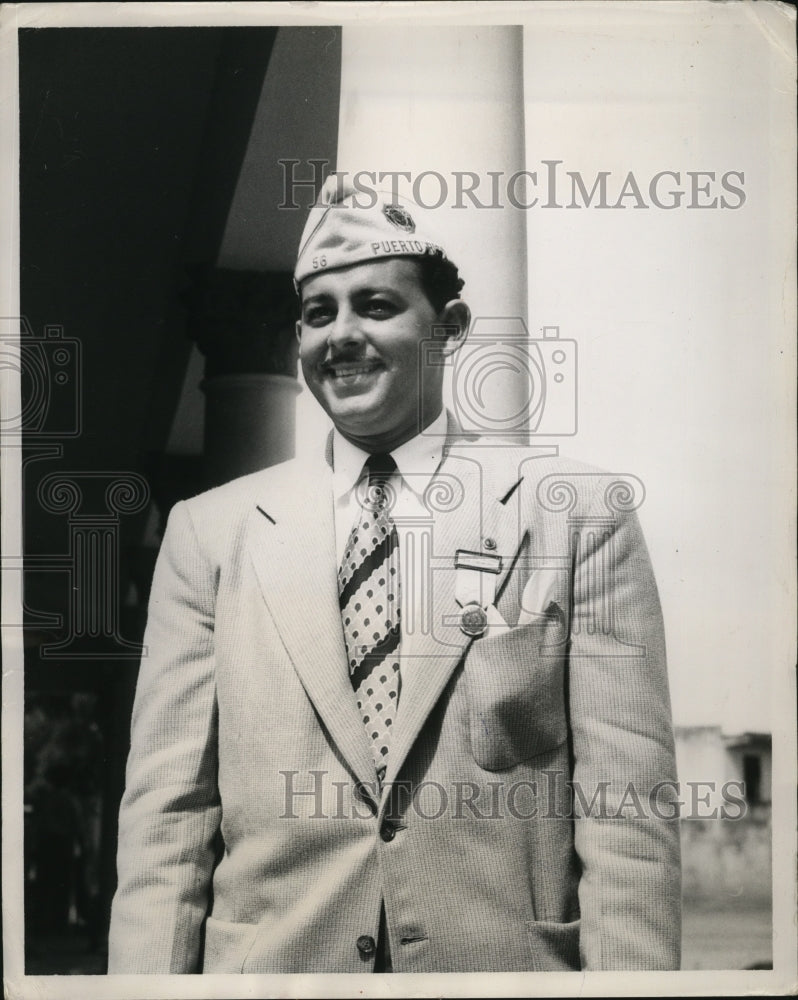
379, 467
375, 493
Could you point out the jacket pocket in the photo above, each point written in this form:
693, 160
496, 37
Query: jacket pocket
515, 686
554, 946
227, 945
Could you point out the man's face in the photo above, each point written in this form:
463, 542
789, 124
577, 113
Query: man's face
360, 342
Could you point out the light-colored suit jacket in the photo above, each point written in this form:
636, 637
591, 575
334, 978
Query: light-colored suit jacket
526, 824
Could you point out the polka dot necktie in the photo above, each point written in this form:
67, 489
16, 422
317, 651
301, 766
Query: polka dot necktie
368, 588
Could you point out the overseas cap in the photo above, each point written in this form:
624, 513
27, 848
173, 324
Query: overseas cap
344, 228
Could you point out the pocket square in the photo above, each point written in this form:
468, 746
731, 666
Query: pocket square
496, 624
537, 600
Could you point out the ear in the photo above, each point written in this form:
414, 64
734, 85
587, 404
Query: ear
453, 321
298, 329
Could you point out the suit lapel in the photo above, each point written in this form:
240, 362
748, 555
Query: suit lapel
294, 556
466, 508
295, 559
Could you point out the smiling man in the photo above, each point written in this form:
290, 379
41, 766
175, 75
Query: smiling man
400, 712
361, 333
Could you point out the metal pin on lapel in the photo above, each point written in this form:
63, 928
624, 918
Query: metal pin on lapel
473, 620
475, 588
479, 561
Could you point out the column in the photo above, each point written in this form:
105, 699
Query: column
446, 106
243, 323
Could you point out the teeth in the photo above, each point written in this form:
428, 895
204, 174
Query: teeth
360, 370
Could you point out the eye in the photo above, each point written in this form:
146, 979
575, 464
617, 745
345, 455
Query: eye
379, 308
317, 315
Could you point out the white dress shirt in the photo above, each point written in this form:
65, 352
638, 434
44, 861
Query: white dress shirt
417, 462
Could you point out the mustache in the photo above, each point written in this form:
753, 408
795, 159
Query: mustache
348, 358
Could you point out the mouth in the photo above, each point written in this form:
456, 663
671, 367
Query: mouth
351, 373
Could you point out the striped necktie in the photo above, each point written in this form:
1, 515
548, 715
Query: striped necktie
368, 588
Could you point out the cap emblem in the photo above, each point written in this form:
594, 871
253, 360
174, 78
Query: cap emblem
399, 217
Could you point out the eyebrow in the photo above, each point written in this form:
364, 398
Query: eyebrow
357, 292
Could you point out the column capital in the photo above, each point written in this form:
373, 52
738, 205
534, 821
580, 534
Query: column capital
243, 322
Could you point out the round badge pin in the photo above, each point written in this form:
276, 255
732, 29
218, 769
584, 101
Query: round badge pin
473, 620
399, 217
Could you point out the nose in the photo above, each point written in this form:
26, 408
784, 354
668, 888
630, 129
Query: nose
345, 329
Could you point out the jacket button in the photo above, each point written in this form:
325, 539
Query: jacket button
366, 945
387, 831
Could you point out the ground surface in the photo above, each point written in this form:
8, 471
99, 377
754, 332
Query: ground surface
725, 937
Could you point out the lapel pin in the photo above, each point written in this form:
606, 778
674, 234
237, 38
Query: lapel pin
464, 559
473, 620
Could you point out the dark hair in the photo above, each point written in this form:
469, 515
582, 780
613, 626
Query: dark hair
440, 279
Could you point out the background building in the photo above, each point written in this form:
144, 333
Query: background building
727, 862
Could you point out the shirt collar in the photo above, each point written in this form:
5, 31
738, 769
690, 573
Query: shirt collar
417, 460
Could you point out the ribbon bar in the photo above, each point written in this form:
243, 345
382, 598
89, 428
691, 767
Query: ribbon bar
464, 559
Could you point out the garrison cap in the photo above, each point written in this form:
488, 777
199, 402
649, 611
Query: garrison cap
347, 227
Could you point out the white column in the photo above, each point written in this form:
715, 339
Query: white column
249, 423
448, 100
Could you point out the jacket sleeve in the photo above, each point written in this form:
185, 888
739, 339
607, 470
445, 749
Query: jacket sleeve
170, 811
626, 827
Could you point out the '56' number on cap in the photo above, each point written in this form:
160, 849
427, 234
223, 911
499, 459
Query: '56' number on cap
318, 262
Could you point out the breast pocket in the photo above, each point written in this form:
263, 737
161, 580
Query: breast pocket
515, 685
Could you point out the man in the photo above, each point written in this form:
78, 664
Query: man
404, 708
